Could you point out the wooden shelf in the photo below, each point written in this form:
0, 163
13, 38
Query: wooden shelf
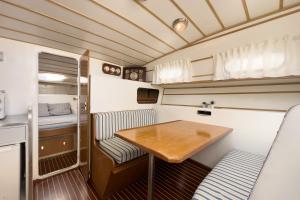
234, 82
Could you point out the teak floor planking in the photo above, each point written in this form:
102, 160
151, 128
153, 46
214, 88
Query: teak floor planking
172, 181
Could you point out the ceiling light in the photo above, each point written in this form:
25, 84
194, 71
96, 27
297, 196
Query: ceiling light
51, 77
180, 24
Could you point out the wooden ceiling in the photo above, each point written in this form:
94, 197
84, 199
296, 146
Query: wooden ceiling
126, 32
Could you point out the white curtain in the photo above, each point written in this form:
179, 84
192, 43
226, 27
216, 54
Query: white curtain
173, 71
271, 58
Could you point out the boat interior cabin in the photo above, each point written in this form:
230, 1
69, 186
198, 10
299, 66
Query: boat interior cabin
149, 99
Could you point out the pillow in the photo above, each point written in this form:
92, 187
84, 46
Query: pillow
60, 109
43, 110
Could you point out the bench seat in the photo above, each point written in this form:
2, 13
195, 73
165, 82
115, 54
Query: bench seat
232, 178
120, 150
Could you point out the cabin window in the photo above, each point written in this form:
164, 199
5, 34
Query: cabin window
270, 58
147, 95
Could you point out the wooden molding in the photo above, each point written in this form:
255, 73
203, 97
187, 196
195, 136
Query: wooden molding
132, 23
234, 108
215, 13
246, 10
188, 17
200, 59
159, 19
226, 93
201, 75
280, 4
65, 23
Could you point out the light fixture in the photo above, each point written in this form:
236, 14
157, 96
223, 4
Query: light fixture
180, 24
51, 77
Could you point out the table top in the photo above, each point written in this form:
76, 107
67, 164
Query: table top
174, 141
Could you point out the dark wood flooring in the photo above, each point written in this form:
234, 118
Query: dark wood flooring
172, 182
54, 163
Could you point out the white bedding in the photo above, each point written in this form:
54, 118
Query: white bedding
57, 121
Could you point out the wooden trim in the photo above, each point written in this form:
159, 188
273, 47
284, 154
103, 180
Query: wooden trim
246, 85
200, 59
42, 37
246, 10
280, 4
251, 109
159, 19
234, 108
132, 23
65, 23
188, 17
236, 29
215, 13
201, 75
48, 29
230, 80
227, 93
151, 70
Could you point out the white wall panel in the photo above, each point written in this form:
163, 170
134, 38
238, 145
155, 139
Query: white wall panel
109, 94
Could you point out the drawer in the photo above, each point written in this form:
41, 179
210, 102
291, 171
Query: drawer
56, 145
12, 135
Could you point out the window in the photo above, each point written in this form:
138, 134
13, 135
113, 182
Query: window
147, 95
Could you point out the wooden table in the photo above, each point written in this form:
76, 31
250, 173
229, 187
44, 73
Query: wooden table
173, 141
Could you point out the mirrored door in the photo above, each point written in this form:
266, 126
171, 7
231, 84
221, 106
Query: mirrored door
58, 110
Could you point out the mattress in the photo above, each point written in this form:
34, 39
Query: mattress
61, 121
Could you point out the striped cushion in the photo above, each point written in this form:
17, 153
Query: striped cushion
120, 150
107, 123
232, 178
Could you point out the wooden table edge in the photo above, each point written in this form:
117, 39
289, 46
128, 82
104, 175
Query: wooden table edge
173, 160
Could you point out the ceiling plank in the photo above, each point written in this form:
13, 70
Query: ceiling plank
246, 9
15, 36
101, 24
188, 17
215, 13
141, 28
159, 19
54, 31
67, 44
87, 31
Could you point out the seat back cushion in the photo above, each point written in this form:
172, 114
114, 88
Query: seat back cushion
107, 123
280, 175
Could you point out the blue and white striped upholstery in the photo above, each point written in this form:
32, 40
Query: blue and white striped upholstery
120, 150
232, 178
107, 123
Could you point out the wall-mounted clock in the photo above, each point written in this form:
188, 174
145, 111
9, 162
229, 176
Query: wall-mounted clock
135, 73
111, 69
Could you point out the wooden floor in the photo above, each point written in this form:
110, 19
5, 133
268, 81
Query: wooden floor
172, 181
57, 162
